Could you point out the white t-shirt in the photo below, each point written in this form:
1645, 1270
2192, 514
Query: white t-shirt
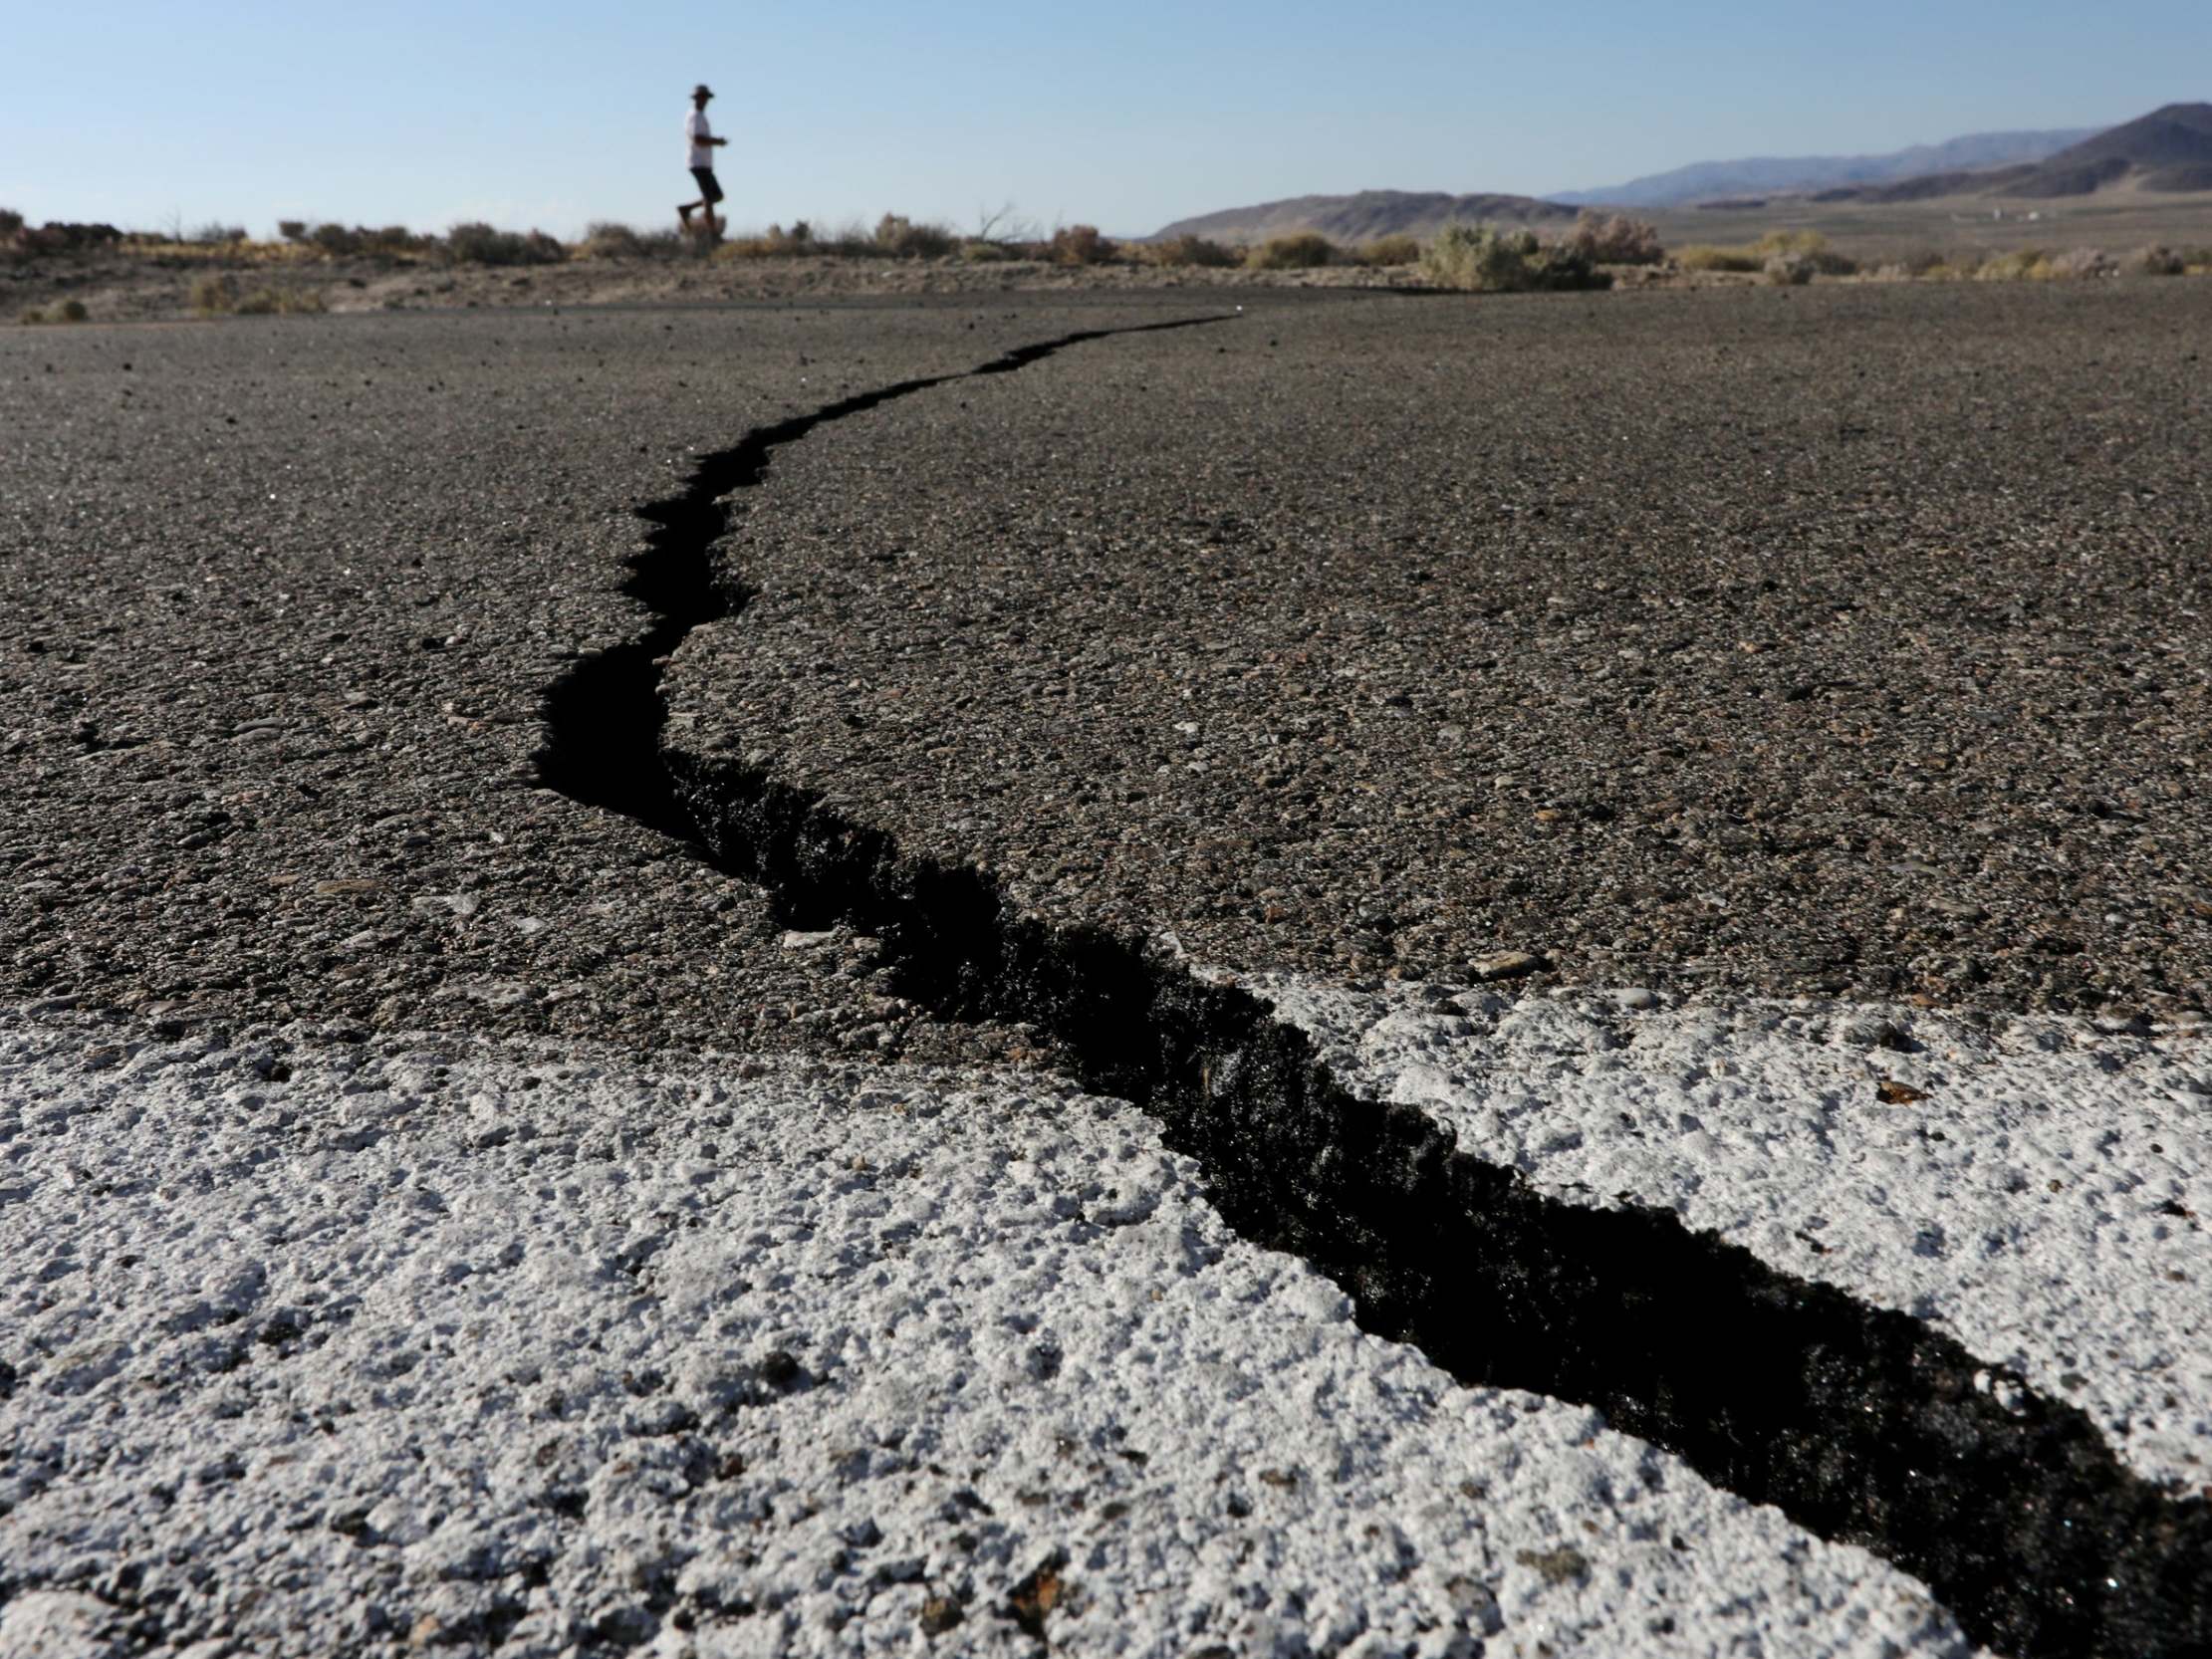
695, 129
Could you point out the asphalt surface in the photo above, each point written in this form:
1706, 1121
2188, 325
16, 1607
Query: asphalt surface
1843, 641
354, 1126
280, 603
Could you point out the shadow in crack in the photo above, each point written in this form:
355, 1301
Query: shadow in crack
1863, 1424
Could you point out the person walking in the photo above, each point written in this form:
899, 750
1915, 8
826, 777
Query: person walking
703, 144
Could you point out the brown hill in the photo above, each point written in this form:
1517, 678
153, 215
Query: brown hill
2168, 149
1928, 186
1366, 216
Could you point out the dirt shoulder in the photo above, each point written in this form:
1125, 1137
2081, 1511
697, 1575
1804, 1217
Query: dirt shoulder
124, 286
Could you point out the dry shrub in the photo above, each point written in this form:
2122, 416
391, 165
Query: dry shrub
978, 251
1790, 269
335, 241
902, 238
1792, 251
2082, 264
282, 301
1482, 259
1304, 250
605, 239
2021, 264
1188, 249
850, 241
216, 297
11, 224
1811, 247
480, 244
1081, 245
1705, 255
61, 311
63, 237
1390, 250
1616, 239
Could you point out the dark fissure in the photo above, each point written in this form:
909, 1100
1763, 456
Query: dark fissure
1863, 1424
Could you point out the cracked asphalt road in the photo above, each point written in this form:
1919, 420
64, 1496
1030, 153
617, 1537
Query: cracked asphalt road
278, 609
1846, 641
1744, 646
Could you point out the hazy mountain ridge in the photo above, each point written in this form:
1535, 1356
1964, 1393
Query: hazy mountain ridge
2169, 149
1806, 174
1365, 214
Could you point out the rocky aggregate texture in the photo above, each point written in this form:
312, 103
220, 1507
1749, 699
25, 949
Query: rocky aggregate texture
759, 961
279, 606
2029, 1185
1846, 642
430, 1343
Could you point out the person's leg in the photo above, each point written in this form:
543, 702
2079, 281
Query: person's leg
703, 177
710, 188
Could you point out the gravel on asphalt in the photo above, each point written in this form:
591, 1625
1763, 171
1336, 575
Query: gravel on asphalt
279, 603
1841, 640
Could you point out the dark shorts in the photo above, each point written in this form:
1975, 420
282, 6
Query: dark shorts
710, 191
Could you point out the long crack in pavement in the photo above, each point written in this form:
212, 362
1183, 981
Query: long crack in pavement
1863, 1424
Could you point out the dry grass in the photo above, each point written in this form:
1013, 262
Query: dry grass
1196, 251
1081, 245
1785, 256
1385, 250
895, 237
2033, 265
61, 311
605, 239
481, 244
1708, 256
904, 238
218, 296
1304, 250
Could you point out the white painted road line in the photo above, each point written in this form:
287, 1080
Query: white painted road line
359, 1347
2034, 1186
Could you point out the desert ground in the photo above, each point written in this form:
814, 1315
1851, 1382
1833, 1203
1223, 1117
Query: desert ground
2117, 221
150, 279
1221, 969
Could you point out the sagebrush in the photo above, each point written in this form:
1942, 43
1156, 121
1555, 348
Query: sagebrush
1302, 250
1616, 239
1483, 259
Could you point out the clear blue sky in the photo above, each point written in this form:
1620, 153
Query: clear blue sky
1125, 116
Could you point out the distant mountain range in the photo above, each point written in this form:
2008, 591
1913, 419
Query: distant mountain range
1808, 175
2169, 149
1366, 216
